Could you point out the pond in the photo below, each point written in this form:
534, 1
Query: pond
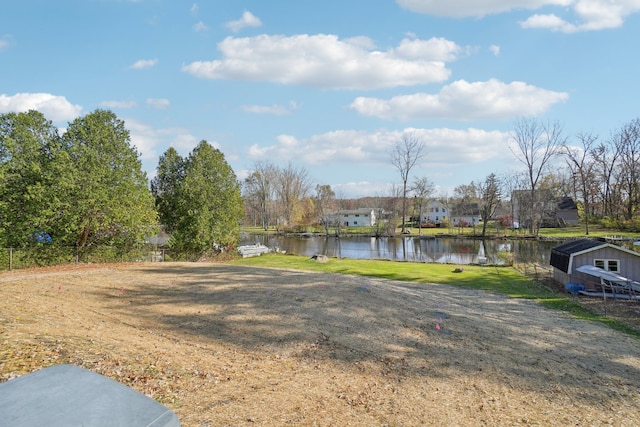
433, 249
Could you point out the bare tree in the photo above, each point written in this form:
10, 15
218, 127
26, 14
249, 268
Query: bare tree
490, 197
512, 182
292, 185
325, 203
467, 196
606, 156
535, 145
423, 189
582, 168
258, 191
627, 143
406, 152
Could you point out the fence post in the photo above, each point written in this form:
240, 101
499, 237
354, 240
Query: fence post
10, 259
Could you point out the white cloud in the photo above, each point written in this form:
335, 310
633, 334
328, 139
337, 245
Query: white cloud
152, 142
325, 61
444, 146
495, 49
248, 19
54, 108
434, 49
143, 63
478, 8
118, 104
277, 110
5, 42
194, 9
200, 27
158, 103
590, 15
461, 100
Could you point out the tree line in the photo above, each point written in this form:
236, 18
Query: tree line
85, 187
601, 176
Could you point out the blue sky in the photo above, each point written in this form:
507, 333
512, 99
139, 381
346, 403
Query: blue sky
330, 85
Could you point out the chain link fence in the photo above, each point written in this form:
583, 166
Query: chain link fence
41, 256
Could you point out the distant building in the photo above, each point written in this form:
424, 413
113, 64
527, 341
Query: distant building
465, 214
434, 212
549, 211
364, 217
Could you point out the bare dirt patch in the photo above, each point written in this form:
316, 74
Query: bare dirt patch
228, 345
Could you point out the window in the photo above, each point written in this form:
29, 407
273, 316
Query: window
612, 265
357, 215
355, 222
437, 209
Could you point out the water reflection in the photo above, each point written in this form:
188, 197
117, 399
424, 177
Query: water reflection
438, 250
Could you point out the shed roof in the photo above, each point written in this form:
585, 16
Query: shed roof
561, 255
575, 246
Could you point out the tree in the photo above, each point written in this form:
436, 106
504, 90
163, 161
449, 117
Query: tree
467, 206
33, 177
534, 145
209, 204
490, 198
423, 189
325, 203
111, 199
292, 185
165, 187
259, 189
512, 183
406, 152
627, 142
582, 168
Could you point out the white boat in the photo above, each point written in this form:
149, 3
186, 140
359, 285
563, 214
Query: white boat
253, 250
613, 285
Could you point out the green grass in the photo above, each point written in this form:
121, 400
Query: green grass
502, 280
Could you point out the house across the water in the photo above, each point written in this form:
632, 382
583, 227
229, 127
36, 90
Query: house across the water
364, 217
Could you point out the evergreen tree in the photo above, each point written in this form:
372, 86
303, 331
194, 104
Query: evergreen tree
165, 187
201, 201
111, 199
33, 173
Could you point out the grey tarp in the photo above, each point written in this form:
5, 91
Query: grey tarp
66, 395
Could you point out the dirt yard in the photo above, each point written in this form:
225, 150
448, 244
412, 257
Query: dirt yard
224, 345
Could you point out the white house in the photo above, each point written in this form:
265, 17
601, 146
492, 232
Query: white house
364, 217
465, 215
434, 212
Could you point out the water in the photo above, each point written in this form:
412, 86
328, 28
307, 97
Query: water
438, 249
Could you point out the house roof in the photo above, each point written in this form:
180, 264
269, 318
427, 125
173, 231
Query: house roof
566, 204
562, 255
356, 211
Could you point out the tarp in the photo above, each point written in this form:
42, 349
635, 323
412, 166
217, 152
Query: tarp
66, 395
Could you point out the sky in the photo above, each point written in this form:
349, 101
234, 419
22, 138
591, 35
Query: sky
328, 86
